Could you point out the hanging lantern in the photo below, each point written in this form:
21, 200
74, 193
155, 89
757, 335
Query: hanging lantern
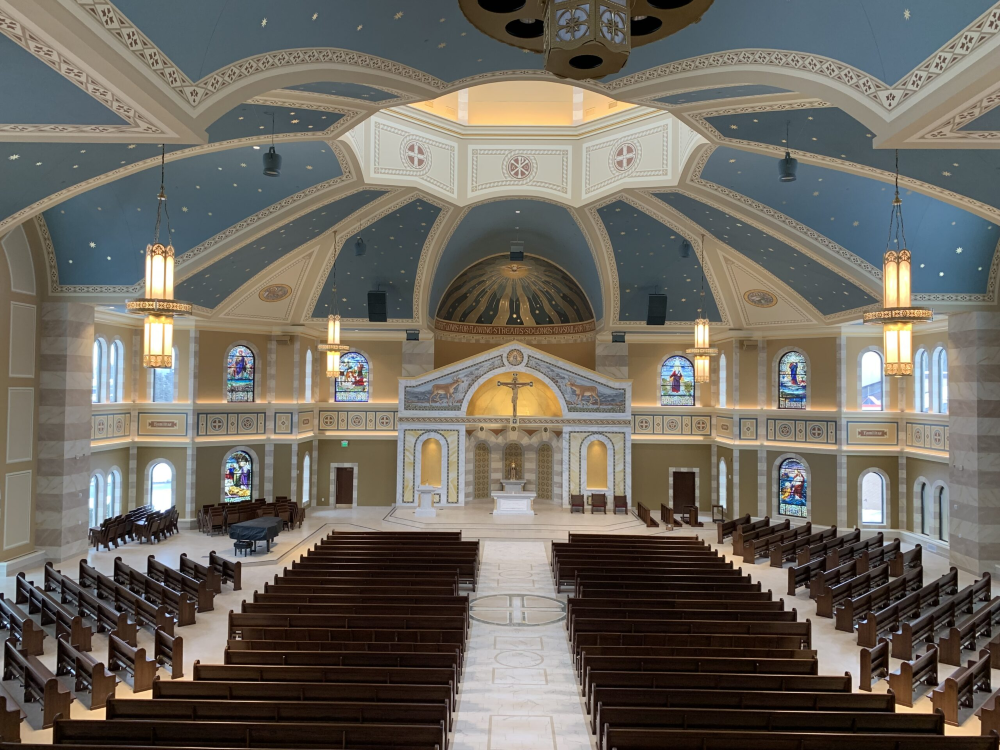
333, 347
158, 304
702, 350
897, 315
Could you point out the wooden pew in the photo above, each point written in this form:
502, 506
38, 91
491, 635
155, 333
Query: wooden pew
198, 590
920, 671
200, 572
358, 635
833, 576
907, 560
739, 530
53, 613
229, 572
762, 546
11, 717
874, 664
802, 575
840, 555
123, 657
107, 619
958, 690
667, 516
275, 596
22, 628
89, 675
871, 558
758, 533
180, 605
925, 628
678, 739
691, 516
989, 716
877, 599
839, 593
789, 550
891, 618
965, 634
692, 641
168, 651
375, 589
38, 683
822, 549
724, 529
644, 515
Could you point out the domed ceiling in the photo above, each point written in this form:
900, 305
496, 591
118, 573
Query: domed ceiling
644, 181
533, 296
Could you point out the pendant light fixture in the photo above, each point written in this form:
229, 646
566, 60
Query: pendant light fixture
702, 350
272, 159
787, 166
158, 304
333, 347
897, 316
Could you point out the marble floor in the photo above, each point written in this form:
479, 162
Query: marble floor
518, 691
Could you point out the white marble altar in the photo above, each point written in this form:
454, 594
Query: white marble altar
426, 508
513, 501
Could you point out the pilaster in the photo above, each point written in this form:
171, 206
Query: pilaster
611, 359
418, 358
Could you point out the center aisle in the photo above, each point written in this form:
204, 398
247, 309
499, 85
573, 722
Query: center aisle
519, 691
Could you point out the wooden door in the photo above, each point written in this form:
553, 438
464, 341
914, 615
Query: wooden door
345, 485
683, 491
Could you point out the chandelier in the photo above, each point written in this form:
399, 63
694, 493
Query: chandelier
702, 349
333, 347
582, 39
158, 304
897, 316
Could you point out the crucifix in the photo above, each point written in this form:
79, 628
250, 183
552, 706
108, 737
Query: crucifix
514, 387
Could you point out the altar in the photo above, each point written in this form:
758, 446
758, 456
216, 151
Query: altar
513, 500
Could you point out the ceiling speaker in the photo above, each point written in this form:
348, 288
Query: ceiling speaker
377, 309
656, 312
516, 251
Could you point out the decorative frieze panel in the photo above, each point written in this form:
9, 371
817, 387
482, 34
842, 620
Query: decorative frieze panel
638, 155
498, 168
243, 423
160, 424
402, 153
110, 426
802, 431
365, 421
927, 436
671, 424
724, 427
748, 428
873, 433
284, 423
306, 421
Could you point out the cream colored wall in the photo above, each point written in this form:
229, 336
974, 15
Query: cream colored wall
822, 378
932, 471
748, 483
213, 347
146, 455
385, 360
114, 458
724, 452
651, 467
822, 489
644, 363
856, 465
748, 382
855, 345
376, 460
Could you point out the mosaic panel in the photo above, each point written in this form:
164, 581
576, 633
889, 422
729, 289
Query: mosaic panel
802, 431
110, 426
933, 437
660, 424
215, 423
355, 421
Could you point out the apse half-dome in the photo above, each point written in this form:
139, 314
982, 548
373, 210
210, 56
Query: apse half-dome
499, 297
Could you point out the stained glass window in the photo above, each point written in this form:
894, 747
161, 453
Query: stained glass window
677, 382
240, 371
792, 384
793, 488
352, 385
238, 481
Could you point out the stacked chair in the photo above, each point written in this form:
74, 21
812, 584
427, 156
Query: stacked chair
142, 524
216, 519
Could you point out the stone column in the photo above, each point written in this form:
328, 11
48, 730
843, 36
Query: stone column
133, 465
314, 471
67, 345
190, 518
974, 426
763, 490
612, 360
295, 473
272, 364
268, 488
737, 508
418, 358
193, 367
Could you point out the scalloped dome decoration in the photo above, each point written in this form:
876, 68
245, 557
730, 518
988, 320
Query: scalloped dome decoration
533, 297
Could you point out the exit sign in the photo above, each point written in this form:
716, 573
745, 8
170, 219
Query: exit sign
343, 443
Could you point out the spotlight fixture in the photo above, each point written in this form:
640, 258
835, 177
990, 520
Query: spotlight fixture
787, 166
702, 350
897, 316
272, 159
582, 39
360, 248
158, 304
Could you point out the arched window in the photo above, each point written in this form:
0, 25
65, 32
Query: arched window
240, 372
238, 482
873, 499
306, 479
309, 376
95, 494
926, 519
792, 381
161, 486
793, 489
99, 368
871, 382
113, 494
941, 501
677, 382
352, 384
722, 381
116, 368
922, 382
723, 485
163, 382
940, 365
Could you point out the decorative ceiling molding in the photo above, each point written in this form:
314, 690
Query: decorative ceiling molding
764, 278
196, 94
137, 122
446, 210
250, 291
949, 130
668, 221
888, 98
652, 100
700, 119
307, 98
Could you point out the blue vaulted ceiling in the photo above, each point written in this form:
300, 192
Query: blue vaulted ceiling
547, 230
647, 255
953, 249
254, 120
824, 288
346, 90
100, 235
721, 92
988, 121
212, 284
394, 244
832, 132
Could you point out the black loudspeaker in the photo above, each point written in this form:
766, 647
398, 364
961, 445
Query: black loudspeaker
377, 310
656, 313
516, 252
